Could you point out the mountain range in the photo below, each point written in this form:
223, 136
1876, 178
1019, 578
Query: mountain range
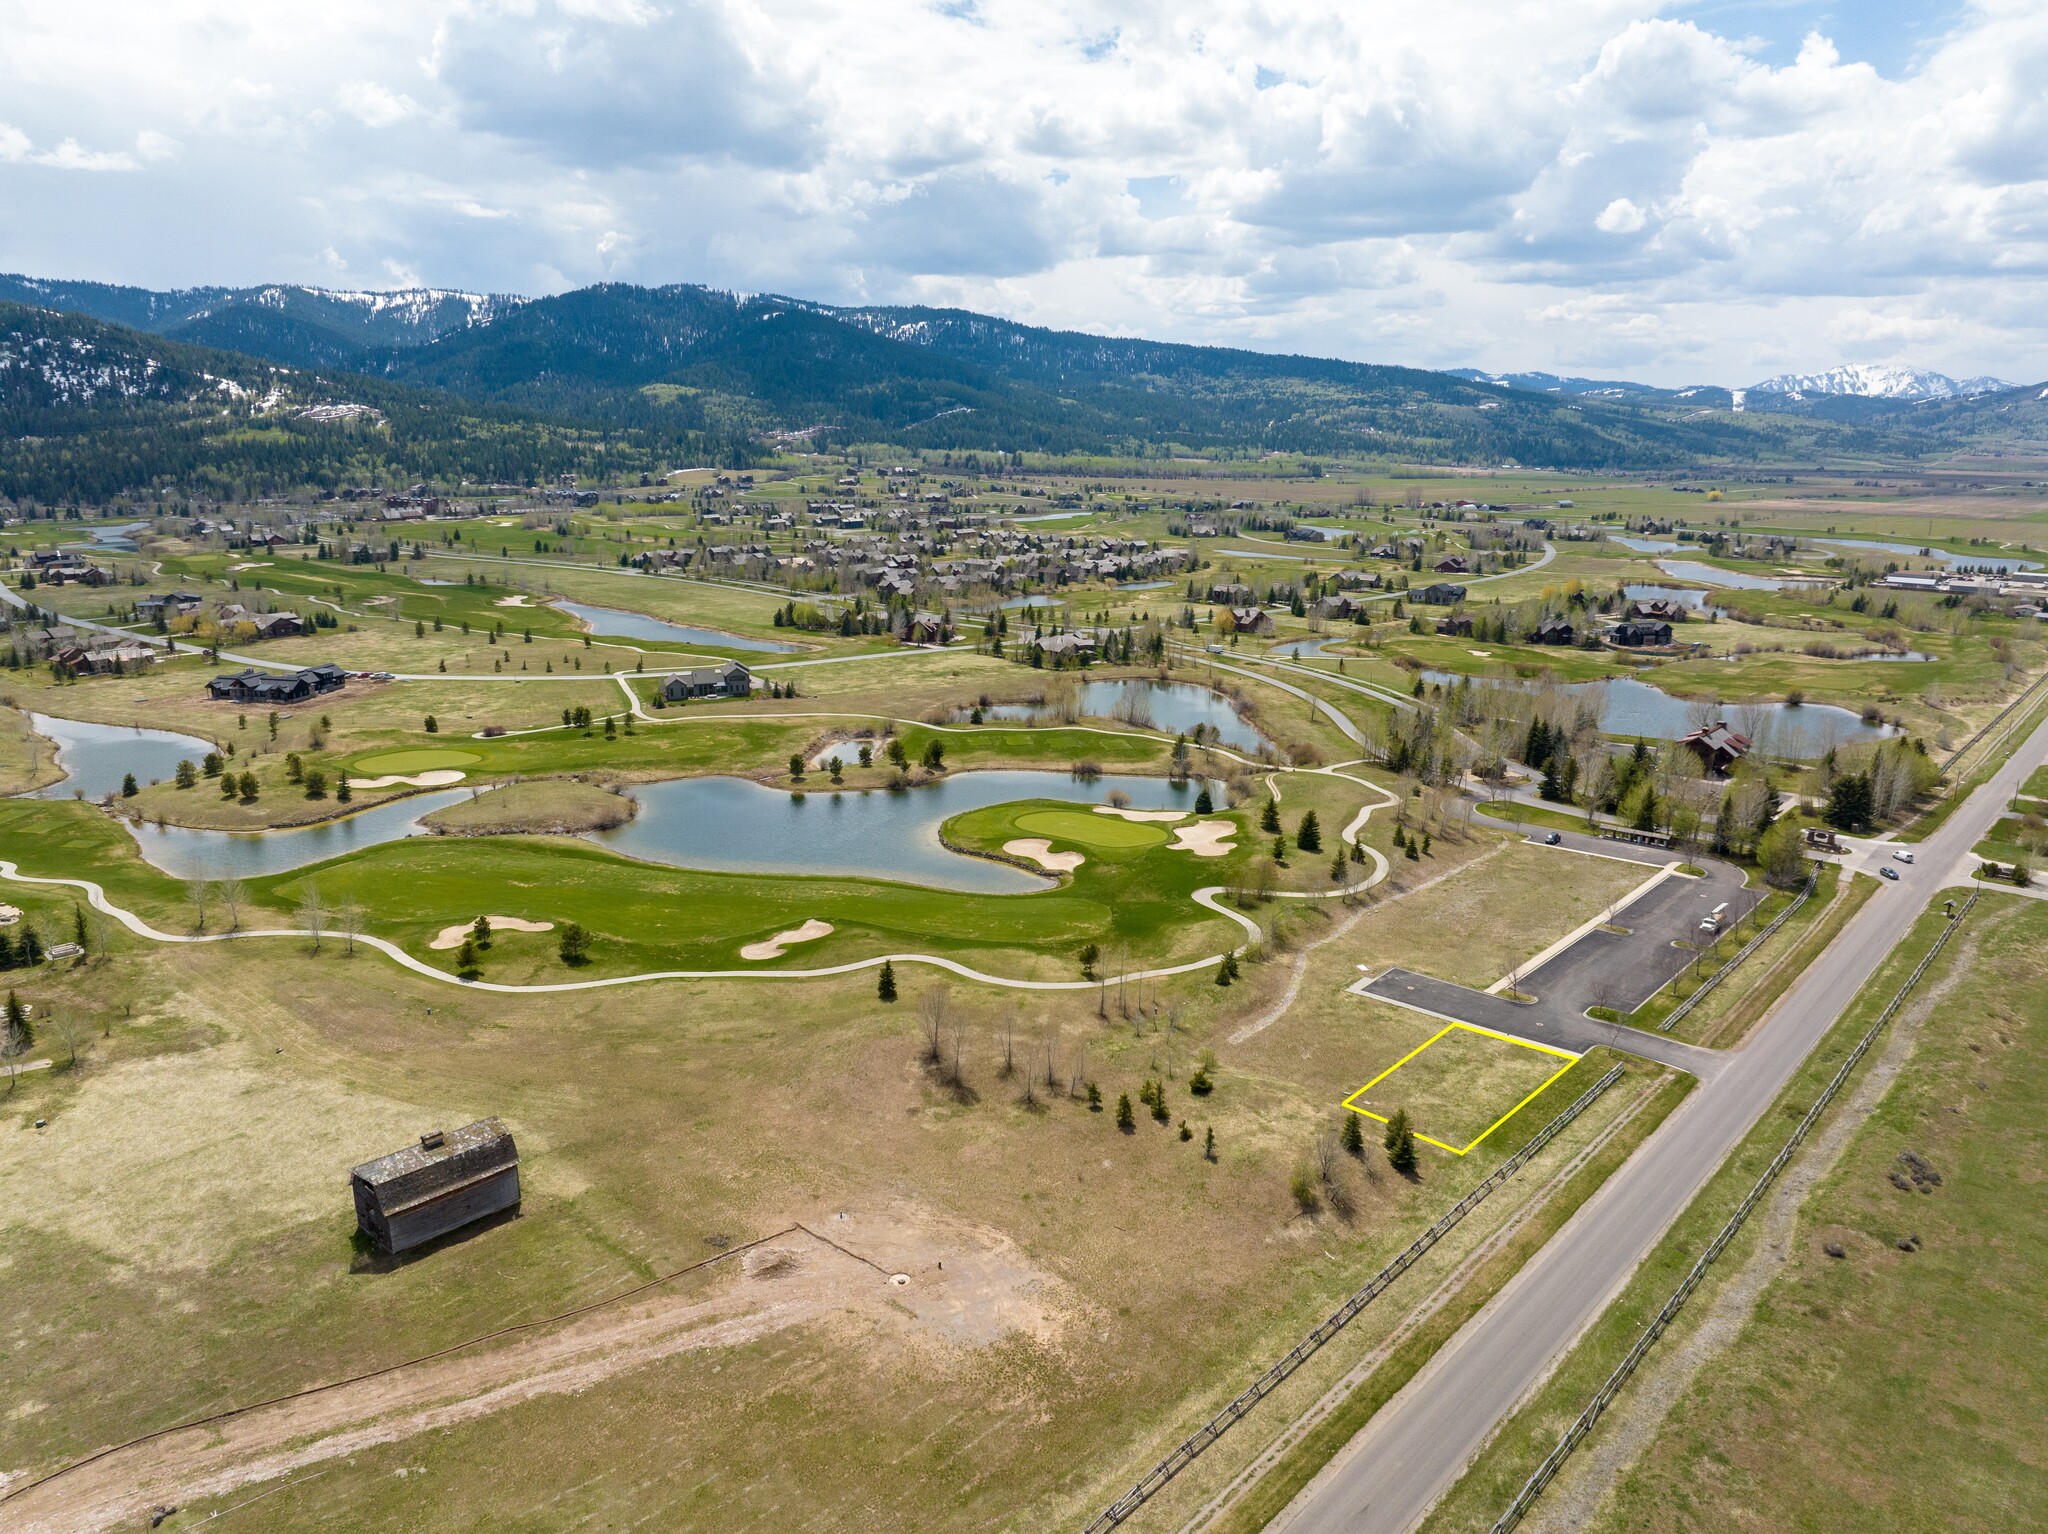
1851, 380
638, 374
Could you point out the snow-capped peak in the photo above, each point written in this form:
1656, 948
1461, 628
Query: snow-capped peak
1879, 383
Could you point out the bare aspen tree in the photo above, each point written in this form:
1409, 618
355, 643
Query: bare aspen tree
313, 915
959, 1076
230, 891
1009, 1065
1052, 1045
349, 918
1077, 1078
932, 1007
70, 1034
200, 891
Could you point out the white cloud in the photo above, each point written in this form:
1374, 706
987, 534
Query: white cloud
1437, 188
372, 105
1621, 217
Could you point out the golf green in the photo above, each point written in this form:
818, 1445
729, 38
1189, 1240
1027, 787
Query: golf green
422, 759
1090, 830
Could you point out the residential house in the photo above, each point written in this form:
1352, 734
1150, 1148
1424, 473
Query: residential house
727, 679
1251, 620
1658, 610
1456, 625
1553, 631
1439, 594
1717, 746
252, 686
1452, 564
1640, 634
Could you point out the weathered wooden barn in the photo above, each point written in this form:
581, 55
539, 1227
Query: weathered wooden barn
448, 1180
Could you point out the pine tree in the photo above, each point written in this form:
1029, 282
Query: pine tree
1309, 837
1094, 1098
574, 945
1126, 1120
1204, 805
1400, 1142
467, 962
1269, 818
480, 933
1209, 1145
1280, 848
128, 787
1227, 971
885, 987
1353, 1136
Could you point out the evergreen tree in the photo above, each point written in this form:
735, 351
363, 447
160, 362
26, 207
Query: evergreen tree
1269, 817
481, 932
1400, 1142
1353, 1135
1094, 1098
574, 944
248, 786
467, 962
1337, 868
187, 774
29, 946
1280, 848
1209, 1145
128, 787
1309, 838
1724, 826
885, 986
1126, 1120
1227, 971
1204, 805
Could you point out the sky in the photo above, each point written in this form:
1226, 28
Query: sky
1706, 192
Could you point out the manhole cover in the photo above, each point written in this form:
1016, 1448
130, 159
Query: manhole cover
899, 1279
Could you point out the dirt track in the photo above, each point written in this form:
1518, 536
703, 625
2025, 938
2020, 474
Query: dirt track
985, 1292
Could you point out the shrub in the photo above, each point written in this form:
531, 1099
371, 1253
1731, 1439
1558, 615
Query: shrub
574, 945
1302, 1185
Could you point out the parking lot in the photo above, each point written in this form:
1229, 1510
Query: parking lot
1618, 969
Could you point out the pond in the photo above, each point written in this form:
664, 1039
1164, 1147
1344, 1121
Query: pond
1630, 708
616, 623
95, 757
1679, 594
734, 825
1300, 649
1936, 556
1016, 603
1651, 545
1173, 706
185, 853
1709, 575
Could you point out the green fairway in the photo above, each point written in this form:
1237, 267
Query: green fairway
423, 759
1091, 830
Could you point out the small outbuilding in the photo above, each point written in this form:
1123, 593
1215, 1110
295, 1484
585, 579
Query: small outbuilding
449, 1180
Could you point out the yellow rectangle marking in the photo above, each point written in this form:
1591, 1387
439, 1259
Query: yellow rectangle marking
1566, 1055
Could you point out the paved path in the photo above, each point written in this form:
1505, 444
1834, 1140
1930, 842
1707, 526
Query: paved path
1390, 1475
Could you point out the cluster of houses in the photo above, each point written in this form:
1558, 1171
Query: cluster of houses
62, 567
935, 561
2028, 586
229, 618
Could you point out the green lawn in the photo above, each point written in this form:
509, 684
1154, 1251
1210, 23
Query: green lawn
424, 759
1096, 831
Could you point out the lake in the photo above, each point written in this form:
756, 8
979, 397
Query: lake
1709, 575
1651, 545
1937, 556
185, 853
1630, 708
95, 757
617, 623
738, 826
1679, 594
1176, 707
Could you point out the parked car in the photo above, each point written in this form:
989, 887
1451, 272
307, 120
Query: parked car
1889, 872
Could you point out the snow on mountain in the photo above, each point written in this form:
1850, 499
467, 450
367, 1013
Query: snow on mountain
1878, 383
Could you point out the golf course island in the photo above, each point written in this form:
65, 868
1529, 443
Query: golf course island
906, 984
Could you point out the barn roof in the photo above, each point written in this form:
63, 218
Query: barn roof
422, 1171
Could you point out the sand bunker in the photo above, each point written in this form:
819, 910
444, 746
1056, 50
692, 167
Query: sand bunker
451, 937
809, 932
1205, 838
512, 602
1165, 815
254, 564
1039, 850
439, 777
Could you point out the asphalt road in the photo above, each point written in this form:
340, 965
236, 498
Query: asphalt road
1387, 1478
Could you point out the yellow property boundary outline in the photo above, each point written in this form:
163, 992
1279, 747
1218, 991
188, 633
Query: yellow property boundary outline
1565, 1055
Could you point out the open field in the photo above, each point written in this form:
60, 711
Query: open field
650, 1121
1460, 1085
